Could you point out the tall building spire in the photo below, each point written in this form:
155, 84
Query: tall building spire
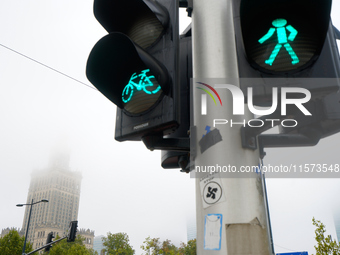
60, 155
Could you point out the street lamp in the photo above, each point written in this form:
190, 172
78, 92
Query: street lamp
29, 218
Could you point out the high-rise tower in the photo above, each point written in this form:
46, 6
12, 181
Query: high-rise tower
61, 187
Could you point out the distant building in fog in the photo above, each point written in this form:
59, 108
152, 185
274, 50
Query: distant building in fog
5, 231
61, 187
191, 230
336, 216
98, 245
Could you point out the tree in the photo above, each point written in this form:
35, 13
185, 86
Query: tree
189, 248
70, 248
169, 248
153, 246
12, 244
325, 245
117, 244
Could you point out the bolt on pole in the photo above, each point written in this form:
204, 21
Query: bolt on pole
231, 212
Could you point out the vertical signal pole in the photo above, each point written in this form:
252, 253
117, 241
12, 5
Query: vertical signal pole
231, 215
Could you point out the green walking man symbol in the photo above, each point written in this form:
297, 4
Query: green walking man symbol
280, 27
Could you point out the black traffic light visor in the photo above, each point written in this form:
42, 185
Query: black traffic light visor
114, 60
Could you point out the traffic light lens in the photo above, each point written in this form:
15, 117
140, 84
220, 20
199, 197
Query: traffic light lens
282, 47
146, 31
116, 67
141, 92
288, 36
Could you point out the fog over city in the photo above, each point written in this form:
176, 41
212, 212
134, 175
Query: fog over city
52, 109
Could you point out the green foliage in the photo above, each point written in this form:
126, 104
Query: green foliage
70, 248
168, 248
153, 246
325, 245
12, 244
117, 244
189, 248
92, 252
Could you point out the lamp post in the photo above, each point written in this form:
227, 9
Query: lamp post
29, 218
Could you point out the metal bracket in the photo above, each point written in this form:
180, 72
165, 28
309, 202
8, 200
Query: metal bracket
187, 4
336, 33
252, 138
169, 144
249, 134
308, 136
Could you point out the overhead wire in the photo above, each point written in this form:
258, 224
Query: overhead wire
51, 68
284, 247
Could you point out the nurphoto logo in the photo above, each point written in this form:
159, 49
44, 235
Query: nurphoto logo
239, 99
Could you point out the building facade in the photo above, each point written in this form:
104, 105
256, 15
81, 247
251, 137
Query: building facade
61, 187
89, 237
5, 231
191, 230
336, 215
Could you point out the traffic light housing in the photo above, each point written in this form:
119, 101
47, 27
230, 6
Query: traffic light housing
136, 65
49, 240
180, 159
71, 235
285, 43
289, 43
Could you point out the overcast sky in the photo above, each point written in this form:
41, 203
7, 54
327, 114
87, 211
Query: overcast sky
124, 188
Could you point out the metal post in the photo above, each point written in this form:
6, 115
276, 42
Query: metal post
28, 225
237, 223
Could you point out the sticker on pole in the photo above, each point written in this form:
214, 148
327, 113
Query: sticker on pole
211, 190
211, 138
212, 231
212, 193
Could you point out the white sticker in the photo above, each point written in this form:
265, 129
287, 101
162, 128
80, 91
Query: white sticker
211, 190
212, 232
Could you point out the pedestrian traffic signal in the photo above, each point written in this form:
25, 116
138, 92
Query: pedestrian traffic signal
282, 36
49, 240
71, 235
135, 66
289, 40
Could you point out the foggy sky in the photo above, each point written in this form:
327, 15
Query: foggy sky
124, 188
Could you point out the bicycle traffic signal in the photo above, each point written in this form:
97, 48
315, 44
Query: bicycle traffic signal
135, 66
49, 240
71, 235
290, 40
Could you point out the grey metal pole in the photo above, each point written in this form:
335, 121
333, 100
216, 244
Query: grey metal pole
233, 220
28, 225
42, 247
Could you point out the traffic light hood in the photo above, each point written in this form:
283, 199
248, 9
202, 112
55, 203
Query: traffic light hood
143, 21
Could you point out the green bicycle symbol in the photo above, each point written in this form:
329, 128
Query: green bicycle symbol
140, 82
